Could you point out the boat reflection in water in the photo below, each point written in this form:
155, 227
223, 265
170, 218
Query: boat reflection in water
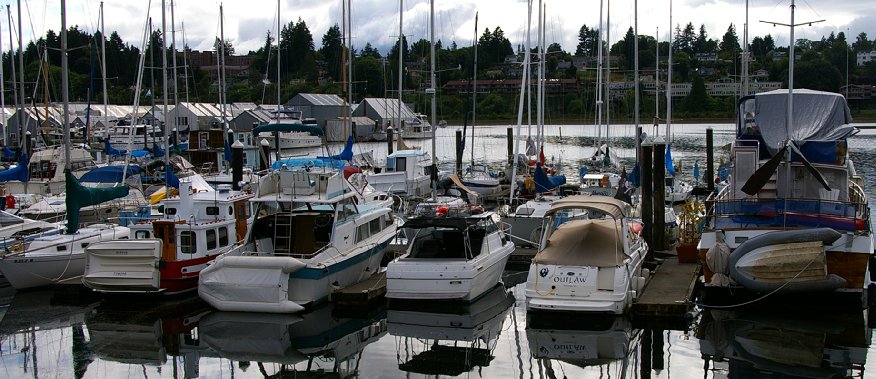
821, 345
606, 342
316, 342
147, 333
448, 338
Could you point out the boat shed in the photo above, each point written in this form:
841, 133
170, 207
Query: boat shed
384, 110
243, 123
321, 107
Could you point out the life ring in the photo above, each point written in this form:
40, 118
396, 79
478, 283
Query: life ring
476, 209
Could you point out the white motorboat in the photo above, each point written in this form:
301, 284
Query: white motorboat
587, 265
309, 238
121, 137
526, 221
457, 253
46, 170
404, 174
287, 131
51, 259
16, 230
594, 341
166, 255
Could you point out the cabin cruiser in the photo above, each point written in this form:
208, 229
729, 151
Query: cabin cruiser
416, 128
404, 174
480, 179
795, 218
143, 136
287, 131
167, 254
309, 238
587, 264
455, 253
46, 170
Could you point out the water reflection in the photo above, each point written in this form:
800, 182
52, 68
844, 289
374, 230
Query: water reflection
758, 343
445, 338
318, 342
608, 342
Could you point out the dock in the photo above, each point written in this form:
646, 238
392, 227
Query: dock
667, 295
363, 293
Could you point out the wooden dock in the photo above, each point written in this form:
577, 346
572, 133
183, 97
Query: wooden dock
363, 293
667, 295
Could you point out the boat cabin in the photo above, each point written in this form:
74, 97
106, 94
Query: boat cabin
447, 232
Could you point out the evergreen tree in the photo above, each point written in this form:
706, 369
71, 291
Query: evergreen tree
332, 50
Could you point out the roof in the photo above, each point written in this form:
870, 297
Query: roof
316, 99
608, 205
407, 153
387, 108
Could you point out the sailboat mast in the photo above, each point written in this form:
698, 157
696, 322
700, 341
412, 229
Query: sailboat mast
669, 80
745, 53
599, 81
432, 89
636, 68
790, 79
401, 37
103, 74
607, 79
349, 114
164, 86
524, 81
657, 85
539, 95
21, 126
474, 89
2, 91
278, 67
175, 77
221, 65
185, 65
344, 61
64, 84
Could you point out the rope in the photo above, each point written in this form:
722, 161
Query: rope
759, 298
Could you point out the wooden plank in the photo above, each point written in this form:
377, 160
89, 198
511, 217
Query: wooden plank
669, 290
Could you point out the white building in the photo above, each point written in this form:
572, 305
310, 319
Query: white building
863, 58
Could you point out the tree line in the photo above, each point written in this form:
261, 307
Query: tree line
307, 67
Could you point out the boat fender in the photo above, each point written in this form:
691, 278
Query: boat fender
825, 235
286, 264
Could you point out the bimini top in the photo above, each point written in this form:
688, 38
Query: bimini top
817, 116
608, 205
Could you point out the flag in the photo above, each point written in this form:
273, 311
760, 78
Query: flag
669, 169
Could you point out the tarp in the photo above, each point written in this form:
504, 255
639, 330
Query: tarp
283, 127
109, 174
227, 150
170, 178
309, 162
109, 150
19, 172
817, 116
8, 153
635, 176
595, 243
543, 183
157, 151
139, 153
78, 197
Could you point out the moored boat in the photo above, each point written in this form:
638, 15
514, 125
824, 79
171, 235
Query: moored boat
166, 255
589, 263
309, 238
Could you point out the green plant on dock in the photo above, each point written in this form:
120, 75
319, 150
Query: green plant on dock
691, 216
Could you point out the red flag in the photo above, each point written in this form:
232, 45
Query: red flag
541, 156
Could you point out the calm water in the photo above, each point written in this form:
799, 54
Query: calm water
50, 335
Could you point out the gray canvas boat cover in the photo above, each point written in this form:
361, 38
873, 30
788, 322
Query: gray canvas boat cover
817, 116
594, 243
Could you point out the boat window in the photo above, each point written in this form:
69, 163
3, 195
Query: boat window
211, 239
187, 242
212, 211
375, 226
141, 234
387, 220
348, 208
7, 219
400, 163
170, 211
524, 211
62, 248
223, 237
489, 226
230, 210
84, 245
363, 232
390, 164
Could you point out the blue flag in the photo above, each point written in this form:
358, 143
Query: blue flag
696, 171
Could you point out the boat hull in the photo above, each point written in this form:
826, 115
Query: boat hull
31, 272
445, 279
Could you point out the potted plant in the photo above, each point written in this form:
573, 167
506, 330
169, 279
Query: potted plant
689, 222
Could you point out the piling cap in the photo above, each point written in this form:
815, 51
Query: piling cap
264, 142
237, 145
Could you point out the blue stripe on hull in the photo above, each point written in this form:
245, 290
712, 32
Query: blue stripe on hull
313, 273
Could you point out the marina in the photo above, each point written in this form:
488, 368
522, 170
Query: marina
344, 234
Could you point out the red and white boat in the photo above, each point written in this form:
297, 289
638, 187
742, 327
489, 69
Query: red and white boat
167, 254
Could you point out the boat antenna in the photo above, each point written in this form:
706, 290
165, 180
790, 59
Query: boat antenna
65, 84
432, 94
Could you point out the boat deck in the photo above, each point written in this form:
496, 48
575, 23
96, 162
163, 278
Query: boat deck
363, 293
669, 291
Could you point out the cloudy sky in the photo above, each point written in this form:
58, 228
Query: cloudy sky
376, 21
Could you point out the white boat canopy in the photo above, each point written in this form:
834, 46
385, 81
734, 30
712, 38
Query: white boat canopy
607, 205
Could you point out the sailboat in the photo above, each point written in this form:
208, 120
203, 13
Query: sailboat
795, 218
50, 259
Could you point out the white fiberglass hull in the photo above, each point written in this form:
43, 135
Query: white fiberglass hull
31, 272
274, 284
446, 279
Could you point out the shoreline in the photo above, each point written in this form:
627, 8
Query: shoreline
868, 123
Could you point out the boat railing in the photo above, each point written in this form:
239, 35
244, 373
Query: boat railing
508, 236
783, 213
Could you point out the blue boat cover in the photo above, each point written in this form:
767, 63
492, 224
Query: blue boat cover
19, 172
635, 176
543, 183
669, 168
309, 162
157, 151
227, 150
139, 153
170, 178
109, 174
7, 153
283, 127
109, 150
79, 197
